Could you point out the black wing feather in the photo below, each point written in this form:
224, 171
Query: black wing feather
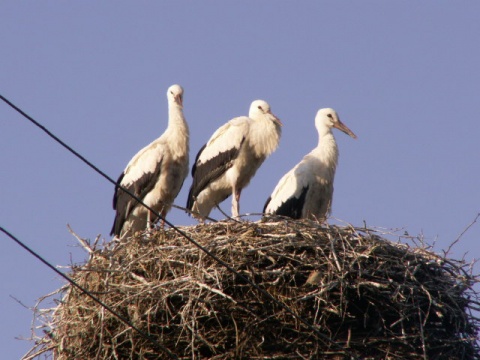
266, 204
206, 173
124, 203
115, 193
292, 207
194, 167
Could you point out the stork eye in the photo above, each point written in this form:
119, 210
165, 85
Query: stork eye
259, 107
330, 116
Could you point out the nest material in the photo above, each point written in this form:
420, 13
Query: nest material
368, 298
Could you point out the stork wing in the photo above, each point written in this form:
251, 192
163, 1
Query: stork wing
217, 155
139, 178
288, 197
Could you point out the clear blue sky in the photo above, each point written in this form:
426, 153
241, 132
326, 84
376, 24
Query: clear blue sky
404, 76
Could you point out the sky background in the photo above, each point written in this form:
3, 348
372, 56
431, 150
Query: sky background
404, 76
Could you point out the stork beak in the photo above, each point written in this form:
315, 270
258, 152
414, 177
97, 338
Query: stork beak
275, 119
342, 127
178, 99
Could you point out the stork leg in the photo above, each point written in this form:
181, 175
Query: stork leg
236, 202
149, 222
163, 213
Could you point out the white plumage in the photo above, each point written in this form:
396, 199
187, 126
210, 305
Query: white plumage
306, 191
228, 161
155, 174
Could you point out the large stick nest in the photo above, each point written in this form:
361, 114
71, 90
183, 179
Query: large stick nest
367, 297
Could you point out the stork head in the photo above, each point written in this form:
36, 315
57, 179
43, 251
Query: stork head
260, 109
175, 94
328, 118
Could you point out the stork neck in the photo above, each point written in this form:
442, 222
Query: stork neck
178, 131
175, 116
327, 148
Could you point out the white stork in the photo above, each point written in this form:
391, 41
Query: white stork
155, 174
227, 162
306, 190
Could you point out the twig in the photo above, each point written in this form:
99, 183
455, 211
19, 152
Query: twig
461, 234
86, 246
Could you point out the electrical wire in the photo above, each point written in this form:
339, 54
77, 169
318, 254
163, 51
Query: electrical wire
179, 231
